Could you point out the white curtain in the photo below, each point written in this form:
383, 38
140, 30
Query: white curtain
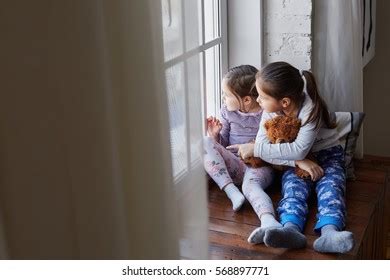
86, 167
337, 54
181, 36
158, 108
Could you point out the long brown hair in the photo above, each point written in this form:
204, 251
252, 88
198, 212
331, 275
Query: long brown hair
241, 80
281, 80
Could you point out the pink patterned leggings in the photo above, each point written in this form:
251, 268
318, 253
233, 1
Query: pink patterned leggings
224, 168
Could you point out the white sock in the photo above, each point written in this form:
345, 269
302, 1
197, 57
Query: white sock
235, 196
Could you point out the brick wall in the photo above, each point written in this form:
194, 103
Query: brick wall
288, 32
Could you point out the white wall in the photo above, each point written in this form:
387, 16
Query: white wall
283, 34
244, 32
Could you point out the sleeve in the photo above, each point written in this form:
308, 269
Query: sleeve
285, 153
225, 131
261, 136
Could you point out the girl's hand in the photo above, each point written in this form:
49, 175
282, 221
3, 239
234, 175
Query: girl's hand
244, 150
214, 127
233, 148
315, 171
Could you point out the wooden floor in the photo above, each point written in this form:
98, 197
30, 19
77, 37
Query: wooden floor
228, 231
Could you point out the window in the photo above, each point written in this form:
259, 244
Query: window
195, 52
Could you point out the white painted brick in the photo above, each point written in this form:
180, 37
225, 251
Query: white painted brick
292, 7
287, 29
287, 44
279, 23
298, 62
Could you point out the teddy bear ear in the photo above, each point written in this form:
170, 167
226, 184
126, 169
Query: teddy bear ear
266, 125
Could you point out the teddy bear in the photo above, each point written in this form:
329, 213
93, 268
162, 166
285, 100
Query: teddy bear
281, 129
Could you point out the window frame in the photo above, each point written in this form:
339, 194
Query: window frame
222, 66
222, 41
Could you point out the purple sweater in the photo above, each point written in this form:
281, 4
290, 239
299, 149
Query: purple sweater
238, 127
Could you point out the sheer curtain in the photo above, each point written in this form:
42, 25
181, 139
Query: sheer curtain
91, 116
337, 54
158, 109
182, 37
164, 85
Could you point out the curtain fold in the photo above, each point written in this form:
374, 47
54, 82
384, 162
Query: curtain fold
181, 34
86, 168
159, 116
337, 55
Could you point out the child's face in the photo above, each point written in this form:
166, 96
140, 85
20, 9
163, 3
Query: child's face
231, 101
267, 102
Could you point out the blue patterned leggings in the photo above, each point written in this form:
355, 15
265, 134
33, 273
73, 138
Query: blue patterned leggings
330, 191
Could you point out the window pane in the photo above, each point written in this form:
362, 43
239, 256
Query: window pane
211, 24
203, 92
177, 117
172, 28
195, 96
212, 81
193, 28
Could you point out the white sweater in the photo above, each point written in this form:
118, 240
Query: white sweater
308, 139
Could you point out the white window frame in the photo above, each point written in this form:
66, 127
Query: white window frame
222, 66
222, 40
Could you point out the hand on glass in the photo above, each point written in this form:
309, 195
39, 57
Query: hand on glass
214, 127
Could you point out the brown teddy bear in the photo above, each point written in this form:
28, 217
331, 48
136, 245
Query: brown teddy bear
281, 129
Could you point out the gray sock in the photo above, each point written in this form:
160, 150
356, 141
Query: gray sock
268, 222
333, 241
289, 236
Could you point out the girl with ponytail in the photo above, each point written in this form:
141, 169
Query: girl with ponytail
283, 89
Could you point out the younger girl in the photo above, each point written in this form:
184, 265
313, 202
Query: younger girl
240, 118
284, 89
